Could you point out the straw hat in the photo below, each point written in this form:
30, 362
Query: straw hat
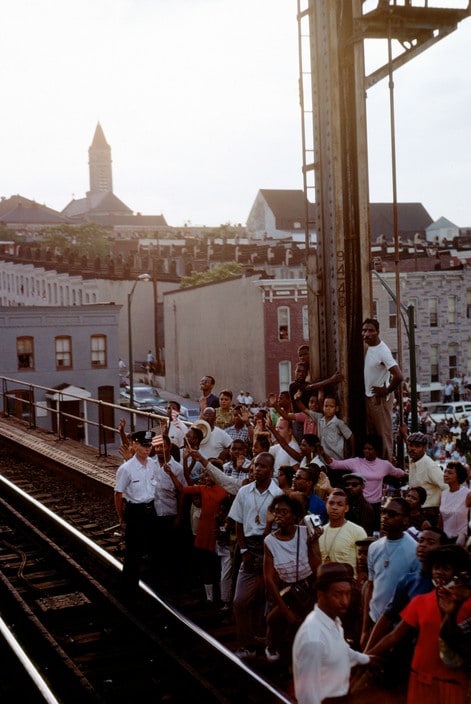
205, 428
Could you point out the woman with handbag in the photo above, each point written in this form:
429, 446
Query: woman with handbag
290, 560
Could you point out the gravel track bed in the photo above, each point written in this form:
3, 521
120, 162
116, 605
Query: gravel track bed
94, 508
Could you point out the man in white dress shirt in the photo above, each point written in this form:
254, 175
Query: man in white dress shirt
249, 511
322, 659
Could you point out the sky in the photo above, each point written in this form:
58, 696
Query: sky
199, 102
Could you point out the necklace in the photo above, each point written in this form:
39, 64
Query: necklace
390, 554
259, 508
332, 542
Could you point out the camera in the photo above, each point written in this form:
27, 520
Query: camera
312, 521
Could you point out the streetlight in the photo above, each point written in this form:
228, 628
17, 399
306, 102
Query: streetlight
141, 277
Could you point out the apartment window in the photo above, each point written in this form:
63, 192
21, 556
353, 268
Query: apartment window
433, 312
283, 323
284, 373
98, 350
25, 352
452, 360
434, 369
305, 323
392, 314
63, 352
451, 309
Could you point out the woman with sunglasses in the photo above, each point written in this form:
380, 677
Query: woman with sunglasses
455, 503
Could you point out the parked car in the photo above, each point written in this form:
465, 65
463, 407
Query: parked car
190, 414
457, 410
145, 398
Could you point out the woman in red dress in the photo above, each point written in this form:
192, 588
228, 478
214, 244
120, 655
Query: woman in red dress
430, 680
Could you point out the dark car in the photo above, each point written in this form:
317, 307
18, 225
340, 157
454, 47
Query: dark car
145, 398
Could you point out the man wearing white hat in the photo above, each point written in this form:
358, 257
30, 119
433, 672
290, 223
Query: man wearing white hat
216, 442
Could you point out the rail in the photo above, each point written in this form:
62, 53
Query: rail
179, 637
30, 403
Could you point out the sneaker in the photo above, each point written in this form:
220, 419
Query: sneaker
245, 654
272, 655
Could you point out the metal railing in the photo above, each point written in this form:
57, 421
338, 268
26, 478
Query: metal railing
30, 403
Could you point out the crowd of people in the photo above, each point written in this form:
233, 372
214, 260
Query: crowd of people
330, 561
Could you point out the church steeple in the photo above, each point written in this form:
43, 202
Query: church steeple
99, 160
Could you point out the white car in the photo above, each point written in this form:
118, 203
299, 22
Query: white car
457, 410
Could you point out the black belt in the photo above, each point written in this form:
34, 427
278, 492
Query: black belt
131, 505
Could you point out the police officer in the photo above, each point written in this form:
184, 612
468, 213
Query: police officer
134, 501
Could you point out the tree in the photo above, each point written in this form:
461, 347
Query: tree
218, 273
88, 238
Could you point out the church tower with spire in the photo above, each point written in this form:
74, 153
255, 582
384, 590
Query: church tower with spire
100, 203
99, 161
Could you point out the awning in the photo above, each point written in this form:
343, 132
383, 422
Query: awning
68, 393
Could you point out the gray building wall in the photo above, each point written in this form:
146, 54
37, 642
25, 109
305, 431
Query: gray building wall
216, 329
27, 285
44, 324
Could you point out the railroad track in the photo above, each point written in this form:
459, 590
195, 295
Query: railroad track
58, 596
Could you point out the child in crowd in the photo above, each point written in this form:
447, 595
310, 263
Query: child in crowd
223, 551
333, 433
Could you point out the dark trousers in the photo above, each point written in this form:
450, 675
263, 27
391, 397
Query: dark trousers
139, 554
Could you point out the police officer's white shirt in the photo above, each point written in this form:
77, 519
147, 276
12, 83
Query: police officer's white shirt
137, 482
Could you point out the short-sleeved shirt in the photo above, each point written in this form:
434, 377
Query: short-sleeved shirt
378, 362
165, 501
388, 562
281, 457
423, 614
249, 504
373, 472
137, 482
413, 584
338, 544
332, 434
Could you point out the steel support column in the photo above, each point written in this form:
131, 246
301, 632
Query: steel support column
339, 285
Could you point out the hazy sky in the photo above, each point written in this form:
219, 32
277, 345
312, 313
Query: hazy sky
198, 100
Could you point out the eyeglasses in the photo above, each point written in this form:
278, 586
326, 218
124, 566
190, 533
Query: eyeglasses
390, 513
281, 511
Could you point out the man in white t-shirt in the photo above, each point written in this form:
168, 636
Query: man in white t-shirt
382, 377
217, 442
280, 455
